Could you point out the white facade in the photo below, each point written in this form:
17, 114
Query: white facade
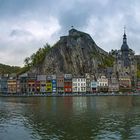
102, 81
42, 86
79, 84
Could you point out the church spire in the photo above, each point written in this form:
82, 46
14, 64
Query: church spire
124, 36
124, 46
124, 29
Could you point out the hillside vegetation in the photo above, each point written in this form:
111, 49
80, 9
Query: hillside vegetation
35, 59
6, 69
138, 65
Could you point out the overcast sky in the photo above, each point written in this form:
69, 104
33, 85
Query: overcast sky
26, 25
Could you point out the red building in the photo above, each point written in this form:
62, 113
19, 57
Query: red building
68, 83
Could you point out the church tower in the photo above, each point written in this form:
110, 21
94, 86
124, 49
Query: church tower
125, 51
125, 65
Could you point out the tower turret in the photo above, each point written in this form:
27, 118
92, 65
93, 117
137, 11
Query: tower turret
124, 46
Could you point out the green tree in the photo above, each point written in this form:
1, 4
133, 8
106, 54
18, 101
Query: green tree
38, 57
27, 61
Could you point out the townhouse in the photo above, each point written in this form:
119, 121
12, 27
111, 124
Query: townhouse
12, 85
31, 83
42, 79
102, 83
3, 83
79, 85
54, 84
60, 83
49, 84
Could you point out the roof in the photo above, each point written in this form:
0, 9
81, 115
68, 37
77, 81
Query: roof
124, 46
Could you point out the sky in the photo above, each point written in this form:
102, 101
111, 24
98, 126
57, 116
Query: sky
26, 25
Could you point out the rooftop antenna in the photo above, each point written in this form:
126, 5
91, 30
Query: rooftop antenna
72, 27
124, 29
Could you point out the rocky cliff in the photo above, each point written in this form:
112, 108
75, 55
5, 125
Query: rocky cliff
76, 53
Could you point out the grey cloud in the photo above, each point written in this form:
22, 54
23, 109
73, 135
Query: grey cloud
108, 18
19, 33
15, 7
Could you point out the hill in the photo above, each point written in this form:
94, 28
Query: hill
76, 53
6, 69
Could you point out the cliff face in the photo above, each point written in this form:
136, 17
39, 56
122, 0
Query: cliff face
76, 53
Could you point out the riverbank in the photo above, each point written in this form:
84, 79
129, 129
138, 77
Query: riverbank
69, 94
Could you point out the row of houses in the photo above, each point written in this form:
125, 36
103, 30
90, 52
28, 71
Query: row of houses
64, 83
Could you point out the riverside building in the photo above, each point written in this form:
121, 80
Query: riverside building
12, 85
94, 86
42, 79
79, 84
54, 84
3, 83
31, 83
49, 84
102, 84
23, 83
68, 83
60, 83
88, 82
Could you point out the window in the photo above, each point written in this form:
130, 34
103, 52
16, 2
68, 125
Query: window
74, 80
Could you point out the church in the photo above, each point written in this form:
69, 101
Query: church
125, 66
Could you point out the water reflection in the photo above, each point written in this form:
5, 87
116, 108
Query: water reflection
70, 118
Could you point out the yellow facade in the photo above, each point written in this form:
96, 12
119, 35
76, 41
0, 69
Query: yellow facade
12, 86
49, 86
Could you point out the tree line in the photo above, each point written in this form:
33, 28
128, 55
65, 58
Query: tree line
38, 57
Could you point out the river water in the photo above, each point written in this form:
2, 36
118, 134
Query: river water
70, 118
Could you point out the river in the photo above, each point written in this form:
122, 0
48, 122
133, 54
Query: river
70, 118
